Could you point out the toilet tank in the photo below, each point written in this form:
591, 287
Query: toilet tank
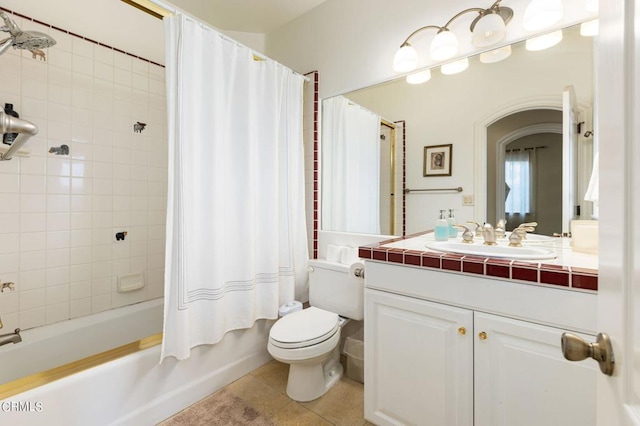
333, 289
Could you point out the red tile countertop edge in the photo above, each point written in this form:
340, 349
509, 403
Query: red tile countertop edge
533, 273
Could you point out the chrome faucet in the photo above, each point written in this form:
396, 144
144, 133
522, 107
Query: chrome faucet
520, 233
467, 235
524, 228
489, 234
478, 228
10, 337
501, 228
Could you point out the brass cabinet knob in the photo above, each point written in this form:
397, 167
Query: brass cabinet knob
462, 331
482, 335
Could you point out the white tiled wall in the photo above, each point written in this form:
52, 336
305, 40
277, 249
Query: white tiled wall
59, 214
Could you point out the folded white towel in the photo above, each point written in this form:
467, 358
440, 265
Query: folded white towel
334, 253
349, 255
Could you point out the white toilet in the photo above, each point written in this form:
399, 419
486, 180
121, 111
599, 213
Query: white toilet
308, 339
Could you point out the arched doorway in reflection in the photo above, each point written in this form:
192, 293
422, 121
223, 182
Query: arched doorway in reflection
524, 169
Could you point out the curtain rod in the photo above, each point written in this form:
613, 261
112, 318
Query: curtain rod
159, 9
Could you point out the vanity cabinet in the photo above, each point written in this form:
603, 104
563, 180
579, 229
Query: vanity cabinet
430, 362
521, 377
418, 362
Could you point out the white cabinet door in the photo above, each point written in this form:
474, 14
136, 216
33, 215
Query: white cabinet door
521, 377
419, 362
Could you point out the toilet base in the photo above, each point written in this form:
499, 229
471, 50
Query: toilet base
309, 381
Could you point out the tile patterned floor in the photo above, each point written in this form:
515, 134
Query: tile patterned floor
263, 392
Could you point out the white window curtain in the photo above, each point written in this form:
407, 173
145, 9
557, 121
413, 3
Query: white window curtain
351, 167
520, 181
236, 237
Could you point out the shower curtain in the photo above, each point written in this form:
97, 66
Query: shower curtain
236, 238
351, 167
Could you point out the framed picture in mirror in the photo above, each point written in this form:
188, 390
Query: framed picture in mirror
437, 160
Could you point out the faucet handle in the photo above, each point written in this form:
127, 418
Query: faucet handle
522, 230
515, 239
501, 228
467, 235
478, 228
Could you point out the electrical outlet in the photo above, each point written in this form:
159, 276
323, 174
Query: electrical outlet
467, 200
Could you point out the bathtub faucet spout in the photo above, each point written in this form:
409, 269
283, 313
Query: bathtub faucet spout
10, 337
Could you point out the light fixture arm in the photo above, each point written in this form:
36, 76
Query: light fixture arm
480, 10
491, 30
406, 41
505, 13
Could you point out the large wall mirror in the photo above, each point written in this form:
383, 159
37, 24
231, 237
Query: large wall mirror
533, 108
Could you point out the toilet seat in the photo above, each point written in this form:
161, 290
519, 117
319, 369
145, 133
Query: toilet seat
304, 328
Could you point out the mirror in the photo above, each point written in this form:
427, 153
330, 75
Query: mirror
479, 112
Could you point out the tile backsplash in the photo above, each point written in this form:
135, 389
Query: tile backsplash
59, 213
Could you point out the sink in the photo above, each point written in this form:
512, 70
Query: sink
536, 238
500, 251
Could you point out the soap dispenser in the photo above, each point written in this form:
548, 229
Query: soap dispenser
451, 220
8, 138
441, 230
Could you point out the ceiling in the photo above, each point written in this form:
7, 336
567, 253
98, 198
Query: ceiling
254, 16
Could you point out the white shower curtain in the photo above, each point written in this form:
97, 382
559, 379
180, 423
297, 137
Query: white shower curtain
236, 237
351, 167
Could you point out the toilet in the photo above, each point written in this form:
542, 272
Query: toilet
309, 339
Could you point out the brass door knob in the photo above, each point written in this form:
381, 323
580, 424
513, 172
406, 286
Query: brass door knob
462, 331
482, 335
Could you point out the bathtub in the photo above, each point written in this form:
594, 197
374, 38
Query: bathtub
136, 389
51, 346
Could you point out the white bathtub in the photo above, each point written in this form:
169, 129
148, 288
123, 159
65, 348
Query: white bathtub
57, 344
136, 389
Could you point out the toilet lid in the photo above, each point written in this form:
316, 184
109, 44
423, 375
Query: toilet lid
304, 328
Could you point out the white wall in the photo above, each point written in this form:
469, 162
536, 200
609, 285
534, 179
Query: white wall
352, 43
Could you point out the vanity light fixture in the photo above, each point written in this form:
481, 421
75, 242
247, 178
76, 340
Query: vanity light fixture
455, 67
590, 28
544, 41
495, 55
541, 14
488, 28
419, 77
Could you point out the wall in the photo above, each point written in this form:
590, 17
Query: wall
61, 213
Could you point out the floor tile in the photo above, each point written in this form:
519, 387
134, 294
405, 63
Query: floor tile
259, 398
295, 414
258, 395
343, 405
274, 374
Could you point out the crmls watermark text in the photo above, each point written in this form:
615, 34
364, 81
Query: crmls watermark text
6, 406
